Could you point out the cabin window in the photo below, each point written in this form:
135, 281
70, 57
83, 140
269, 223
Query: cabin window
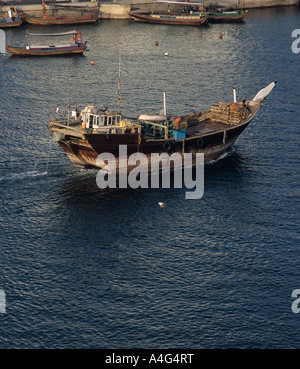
95, 121
105, 121
101, 121
118, 119
98, 121
91, 120
109, 121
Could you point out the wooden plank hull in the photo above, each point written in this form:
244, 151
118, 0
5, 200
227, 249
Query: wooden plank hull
60, 20
210, 132
184, 20
15, 23
21, 51
84, 151
84, 154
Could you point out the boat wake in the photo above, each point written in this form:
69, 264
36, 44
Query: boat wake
24, 175
222, 156
30, 174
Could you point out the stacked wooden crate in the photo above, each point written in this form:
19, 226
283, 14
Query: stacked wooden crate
232, 114
180, 125
186, 121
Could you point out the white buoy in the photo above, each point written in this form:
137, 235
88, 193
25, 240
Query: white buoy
162, 205
166, 54
234, 94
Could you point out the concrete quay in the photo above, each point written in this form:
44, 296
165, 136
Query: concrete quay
120, 11
248, 4
105, 10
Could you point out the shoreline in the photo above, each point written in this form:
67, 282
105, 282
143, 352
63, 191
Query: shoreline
120, 11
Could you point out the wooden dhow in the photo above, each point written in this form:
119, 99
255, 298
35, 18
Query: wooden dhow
12, 20
51, 49
190, 13
179, 17
46, 20
9, 23
85, 134
218, 14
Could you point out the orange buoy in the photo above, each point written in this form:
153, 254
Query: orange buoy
156, 43
221, 36
177, 121
92, 62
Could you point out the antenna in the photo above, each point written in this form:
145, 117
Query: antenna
234, 94
119, 82
165, 105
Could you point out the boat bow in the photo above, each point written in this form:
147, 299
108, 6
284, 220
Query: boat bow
264, 92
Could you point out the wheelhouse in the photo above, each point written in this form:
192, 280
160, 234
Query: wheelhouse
104, 119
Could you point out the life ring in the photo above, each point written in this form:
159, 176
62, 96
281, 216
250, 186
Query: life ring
167, 145
200, 142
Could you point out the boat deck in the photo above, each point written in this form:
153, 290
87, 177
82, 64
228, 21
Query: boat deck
195, 124
211, 121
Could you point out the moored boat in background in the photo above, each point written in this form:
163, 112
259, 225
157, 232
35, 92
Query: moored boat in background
190, 13
50, 50
12, 20
46, 20
170, 17
219, 14
9, 23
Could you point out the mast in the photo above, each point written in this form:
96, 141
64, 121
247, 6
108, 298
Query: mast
119, 83
43, 5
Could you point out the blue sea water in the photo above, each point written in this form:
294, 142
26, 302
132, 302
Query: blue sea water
88, 268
